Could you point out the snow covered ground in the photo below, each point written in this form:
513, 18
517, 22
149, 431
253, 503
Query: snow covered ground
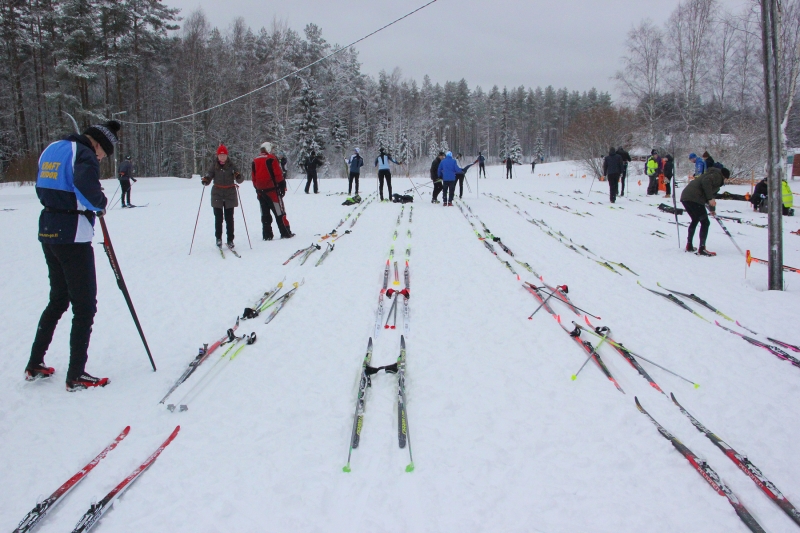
503, 439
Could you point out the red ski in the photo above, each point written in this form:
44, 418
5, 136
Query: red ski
97, 510
43, 507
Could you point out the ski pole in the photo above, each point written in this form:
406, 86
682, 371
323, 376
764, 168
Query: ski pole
566, 302
728, 233
112, 258
389, 315
540, 306
618, 345
241, 205
298, 187
590, 186
115, 195
675, 206
198, 218
593, 352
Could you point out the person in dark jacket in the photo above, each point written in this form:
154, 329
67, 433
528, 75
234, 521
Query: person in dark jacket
708, 159
68, 186
311, 164
623, 177
612, 168
125, 175
533, 165
223, 194
669, 173
447, 171
509, 168
699, 192
270, 188
437, 181
284, 161
481, 165
760, 194
354, 163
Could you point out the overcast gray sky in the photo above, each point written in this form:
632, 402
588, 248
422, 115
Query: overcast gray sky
565, 43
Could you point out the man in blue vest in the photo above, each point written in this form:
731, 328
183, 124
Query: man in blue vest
68, 186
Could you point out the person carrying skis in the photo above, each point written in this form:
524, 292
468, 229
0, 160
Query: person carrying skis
270, 189
437, 181
355, 163
68, 186
311, 164
699, 164
509, 166
125, 175
223, 194
382, 162
612, 168
623, 177
447, 171
481, 165
652, 168
699, 192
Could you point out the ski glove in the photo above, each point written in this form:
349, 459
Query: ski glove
282, 189
206, 180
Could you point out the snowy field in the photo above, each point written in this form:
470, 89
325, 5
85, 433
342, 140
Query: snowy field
503, 439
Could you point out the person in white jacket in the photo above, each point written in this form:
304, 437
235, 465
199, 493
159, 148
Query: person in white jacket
382, 162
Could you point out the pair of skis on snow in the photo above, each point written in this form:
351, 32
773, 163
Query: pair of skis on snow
96, 510
365, 381
269, 299
777, 349
713, 479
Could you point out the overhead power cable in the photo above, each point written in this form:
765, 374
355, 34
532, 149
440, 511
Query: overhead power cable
337, 51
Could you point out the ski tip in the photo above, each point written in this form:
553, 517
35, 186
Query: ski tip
346, 468
696, 385
574, 377
410, 467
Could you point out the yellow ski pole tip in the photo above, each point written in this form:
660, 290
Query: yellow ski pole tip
696, 385
574, 377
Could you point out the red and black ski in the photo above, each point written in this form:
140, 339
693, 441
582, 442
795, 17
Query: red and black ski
43, 507
711, 477
744, 464
97, 510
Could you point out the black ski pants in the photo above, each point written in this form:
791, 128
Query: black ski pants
623, 178
481, 169
309, 179
613, 187
449, 191
437, 188
460, 181
652, 186
126, 191
350, 178
72, 281
668, 185
384, 174
509, 174
270, 207
699, 215
218, 214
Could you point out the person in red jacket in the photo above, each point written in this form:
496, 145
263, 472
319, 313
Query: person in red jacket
270, 190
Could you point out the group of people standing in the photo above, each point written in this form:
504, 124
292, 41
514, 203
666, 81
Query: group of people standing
270, 186
445, 173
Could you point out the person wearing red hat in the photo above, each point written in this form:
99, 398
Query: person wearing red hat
223, 194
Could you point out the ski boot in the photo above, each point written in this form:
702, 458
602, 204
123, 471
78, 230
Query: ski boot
690, 248
32, 373
85, 381
702, 251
